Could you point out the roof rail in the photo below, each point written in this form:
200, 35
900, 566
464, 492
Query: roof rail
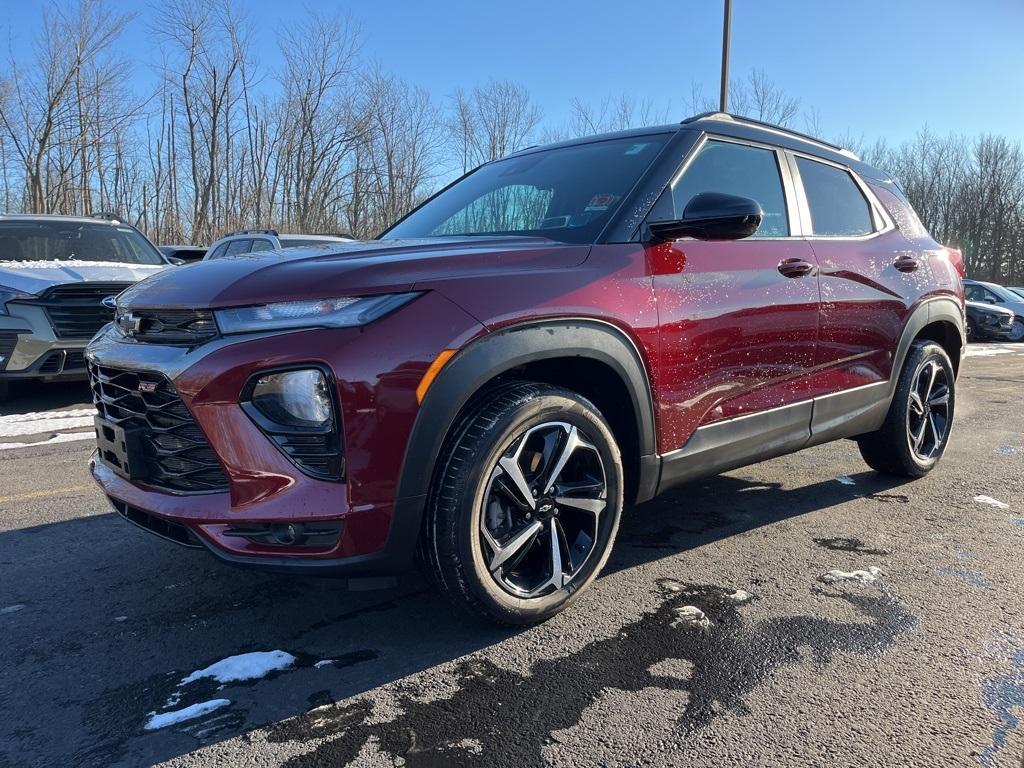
107, 216
253, 232
770, 127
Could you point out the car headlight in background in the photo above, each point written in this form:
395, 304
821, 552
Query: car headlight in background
316, 313
296, 409
9, 294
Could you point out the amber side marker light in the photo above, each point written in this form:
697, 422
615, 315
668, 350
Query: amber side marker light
431, 374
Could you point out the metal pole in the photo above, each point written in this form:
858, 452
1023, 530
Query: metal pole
723, 101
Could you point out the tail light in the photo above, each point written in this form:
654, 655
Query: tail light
956, 258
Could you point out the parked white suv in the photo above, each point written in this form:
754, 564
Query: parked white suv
253, 240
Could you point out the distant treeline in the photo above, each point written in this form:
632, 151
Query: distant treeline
327, 142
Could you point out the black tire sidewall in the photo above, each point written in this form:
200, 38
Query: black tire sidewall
551, 406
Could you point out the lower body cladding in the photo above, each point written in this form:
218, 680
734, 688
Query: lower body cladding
183, 453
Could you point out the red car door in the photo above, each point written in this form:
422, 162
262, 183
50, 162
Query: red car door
738, 319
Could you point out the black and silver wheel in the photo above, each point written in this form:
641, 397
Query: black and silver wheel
1016, 330
916, 429
527, 504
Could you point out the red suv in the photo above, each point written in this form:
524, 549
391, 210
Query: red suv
557, 334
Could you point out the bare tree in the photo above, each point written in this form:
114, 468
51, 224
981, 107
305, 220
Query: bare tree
492, 121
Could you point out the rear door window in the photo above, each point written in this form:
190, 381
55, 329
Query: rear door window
737, 169
262, 244
236, 247
838, 207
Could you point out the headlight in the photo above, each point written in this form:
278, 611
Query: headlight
9, 294
316, 313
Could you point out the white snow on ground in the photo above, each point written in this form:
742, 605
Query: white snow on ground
323, 663
986, 351
845, 480
165, 719
991, 502
691, 616
42, 425
64, 437
865, 577
245, 666
740, 596
12, 608
16, 418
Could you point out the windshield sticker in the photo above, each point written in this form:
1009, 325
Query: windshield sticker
600, 202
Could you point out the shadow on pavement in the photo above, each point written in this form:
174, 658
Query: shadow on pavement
112, 619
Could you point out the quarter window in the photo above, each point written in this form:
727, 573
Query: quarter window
236, 247
838, 207
737, 169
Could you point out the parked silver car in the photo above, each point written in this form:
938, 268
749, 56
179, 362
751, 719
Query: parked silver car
55, 272
254, 240
990, 293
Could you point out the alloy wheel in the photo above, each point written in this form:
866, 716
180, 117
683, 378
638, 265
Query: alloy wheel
928, 414
542, 510
1017, 330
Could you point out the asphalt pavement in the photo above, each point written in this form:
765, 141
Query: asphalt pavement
800, 612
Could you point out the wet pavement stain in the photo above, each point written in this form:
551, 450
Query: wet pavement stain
889, 498
973, 578
508, 717
854, 545
118, 714
1004, 696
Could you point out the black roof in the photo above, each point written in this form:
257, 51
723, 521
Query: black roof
741, 128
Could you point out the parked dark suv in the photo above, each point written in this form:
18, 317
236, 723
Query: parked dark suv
557, 334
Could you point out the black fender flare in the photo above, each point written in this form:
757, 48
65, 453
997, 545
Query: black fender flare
938, 309
503, 350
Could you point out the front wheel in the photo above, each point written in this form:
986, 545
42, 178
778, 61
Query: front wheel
526, 505
1016, 330
916, 430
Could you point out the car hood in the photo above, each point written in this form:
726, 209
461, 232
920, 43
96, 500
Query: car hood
345, 269
983, 307
36, 276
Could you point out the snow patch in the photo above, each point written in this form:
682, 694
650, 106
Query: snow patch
864, 577
323, 663
991, 502
12, 608
65, 437
37, 423
165, 719
691, 616
245, 666
845, 480
740, 596
74, 264
120, 618
975, 351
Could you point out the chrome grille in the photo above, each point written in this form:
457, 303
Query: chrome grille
178, 456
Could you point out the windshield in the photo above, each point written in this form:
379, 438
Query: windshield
74, 241
567, 194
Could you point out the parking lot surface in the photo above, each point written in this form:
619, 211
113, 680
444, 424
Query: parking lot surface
802, 612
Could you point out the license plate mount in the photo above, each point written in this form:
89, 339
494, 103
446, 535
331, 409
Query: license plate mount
120, 448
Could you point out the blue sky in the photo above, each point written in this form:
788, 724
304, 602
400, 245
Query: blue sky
871, 68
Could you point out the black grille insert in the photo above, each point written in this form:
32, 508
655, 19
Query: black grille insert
178, 457
175, 327
75, 310
165, 529
8, 341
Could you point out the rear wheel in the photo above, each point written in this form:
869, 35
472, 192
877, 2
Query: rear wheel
1016, 330
971, 330
527, 504
916, 429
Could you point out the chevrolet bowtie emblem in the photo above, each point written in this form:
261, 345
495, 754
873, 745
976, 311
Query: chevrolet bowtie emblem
129, 323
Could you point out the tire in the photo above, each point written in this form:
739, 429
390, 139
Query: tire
1016, 330
916, 429
971, 331
490, 545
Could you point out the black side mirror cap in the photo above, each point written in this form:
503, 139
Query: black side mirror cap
712, 216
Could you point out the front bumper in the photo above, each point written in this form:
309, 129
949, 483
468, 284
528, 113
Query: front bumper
30, 350
376, 374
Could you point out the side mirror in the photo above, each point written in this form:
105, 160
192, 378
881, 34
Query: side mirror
712, 216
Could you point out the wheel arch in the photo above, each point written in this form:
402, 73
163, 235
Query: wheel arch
940, 320
575, 353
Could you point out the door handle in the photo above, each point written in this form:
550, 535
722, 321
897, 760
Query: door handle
906, 264
795, 267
